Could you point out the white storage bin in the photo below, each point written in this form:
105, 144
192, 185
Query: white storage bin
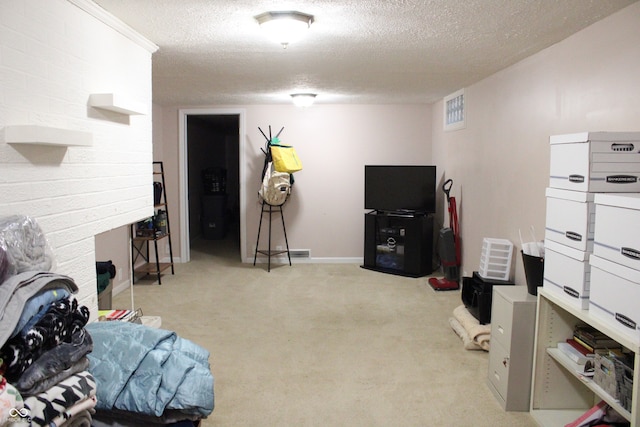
151, 321
570, 218
596, 161
617, 229
615, 296
495, 260
567, 273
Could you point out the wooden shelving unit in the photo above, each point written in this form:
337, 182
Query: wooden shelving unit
141, 254
560, 393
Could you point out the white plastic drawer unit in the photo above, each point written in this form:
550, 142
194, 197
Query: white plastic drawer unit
617, 229
596, 161
567, 274
495, 259
570, 218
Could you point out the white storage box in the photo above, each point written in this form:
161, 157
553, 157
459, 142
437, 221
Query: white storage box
570, 218
495, 261
615, 296
567, 273
596, 161
152, 321
617, 229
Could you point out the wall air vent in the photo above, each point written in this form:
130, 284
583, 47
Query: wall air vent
300, 253
454, 111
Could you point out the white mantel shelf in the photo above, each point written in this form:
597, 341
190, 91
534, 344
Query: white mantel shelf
45, 135
116, 103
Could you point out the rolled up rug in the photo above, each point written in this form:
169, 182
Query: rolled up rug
479, 334
464, 336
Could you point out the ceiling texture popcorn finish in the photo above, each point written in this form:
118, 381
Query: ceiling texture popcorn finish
213, 52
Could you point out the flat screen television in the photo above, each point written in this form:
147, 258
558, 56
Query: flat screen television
400, 188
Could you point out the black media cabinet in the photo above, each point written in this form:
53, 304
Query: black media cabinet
398, 243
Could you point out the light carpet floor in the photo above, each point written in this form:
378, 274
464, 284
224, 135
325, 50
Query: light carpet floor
323, 344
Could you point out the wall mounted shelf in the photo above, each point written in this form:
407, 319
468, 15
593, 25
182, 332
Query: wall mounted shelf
44, 135
116, 103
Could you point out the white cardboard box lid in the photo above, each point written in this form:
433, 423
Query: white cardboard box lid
620, 200
570, 138
614, 268
576, 196
566, 250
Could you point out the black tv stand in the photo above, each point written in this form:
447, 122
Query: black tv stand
403, 213
398, 242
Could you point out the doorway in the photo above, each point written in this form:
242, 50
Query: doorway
212, 205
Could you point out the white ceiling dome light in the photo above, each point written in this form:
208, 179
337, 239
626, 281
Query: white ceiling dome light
285, 27
303, 99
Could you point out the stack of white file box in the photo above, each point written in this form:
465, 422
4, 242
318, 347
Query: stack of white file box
593, 176
615, 262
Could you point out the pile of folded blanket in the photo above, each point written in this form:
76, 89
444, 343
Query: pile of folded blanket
148, 376
56, 369
43, 341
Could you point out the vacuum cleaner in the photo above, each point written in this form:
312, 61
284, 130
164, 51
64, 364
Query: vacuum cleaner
449, 247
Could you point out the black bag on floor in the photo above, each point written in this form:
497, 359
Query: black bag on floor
477, 294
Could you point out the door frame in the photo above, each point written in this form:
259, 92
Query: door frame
183, 173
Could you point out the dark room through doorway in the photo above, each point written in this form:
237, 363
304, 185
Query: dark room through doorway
213, 153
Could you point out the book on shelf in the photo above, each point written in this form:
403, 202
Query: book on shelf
580, 348
590, 349
574, 354
593, 415
593, 339
123, 315
579, 341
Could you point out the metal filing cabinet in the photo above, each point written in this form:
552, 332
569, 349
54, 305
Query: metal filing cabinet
513, 318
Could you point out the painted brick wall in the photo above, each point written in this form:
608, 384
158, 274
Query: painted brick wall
53, 55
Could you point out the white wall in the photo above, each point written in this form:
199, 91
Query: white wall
500, 162
325, 212
53, 55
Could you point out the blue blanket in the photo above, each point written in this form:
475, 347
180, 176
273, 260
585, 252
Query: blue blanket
148, 371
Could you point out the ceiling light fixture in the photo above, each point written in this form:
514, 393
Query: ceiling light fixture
285, 27
303, 99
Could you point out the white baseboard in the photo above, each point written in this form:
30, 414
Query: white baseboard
316, 260
121, 287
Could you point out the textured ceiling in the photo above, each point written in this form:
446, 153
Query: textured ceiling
212, 52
